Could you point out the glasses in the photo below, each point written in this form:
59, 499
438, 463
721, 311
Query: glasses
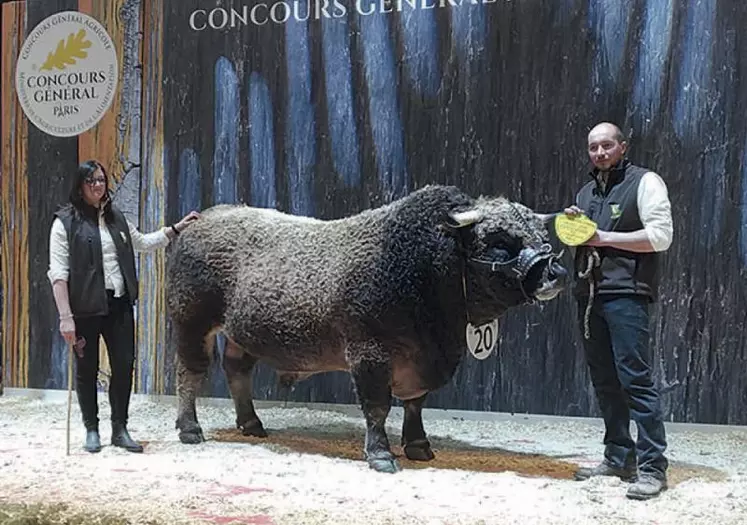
92, 181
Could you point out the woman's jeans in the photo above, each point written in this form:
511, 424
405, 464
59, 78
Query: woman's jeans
118, 331
619, 360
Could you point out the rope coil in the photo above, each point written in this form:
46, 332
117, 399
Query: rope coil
592, 261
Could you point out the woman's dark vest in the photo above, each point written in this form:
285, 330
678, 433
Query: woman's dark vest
86, 285
616, 209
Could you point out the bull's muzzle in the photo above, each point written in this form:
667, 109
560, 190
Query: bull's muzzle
553, 274
530, 257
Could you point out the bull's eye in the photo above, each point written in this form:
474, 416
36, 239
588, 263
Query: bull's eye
497, 255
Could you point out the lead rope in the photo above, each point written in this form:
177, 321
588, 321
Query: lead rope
592, 261
464, 292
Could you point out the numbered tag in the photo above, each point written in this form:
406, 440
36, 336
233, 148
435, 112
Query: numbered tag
574, 231
481, 340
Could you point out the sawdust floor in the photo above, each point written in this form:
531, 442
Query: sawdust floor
450, 454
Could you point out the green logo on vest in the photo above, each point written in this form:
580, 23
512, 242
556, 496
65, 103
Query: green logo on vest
616, 211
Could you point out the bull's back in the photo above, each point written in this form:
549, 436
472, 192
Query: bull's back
256, 245
287, 276
268, 270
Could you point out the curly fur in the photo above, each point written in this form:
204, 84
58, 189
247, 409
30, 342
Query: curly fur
379, 293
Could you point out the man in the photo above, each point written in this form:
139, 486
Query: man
616, 282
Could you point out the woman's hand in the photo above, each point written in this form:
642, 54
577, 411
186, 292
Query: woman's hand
67, 329
186, 221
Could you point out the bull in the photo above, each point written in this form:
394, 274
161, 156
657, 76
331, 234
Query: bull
385, 294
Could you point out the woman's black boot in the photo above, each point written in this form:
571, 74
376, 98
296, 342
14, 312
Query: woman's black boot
121, 438
93, 441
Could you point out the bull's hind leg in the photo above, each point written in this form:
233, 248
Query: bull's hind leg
193, 359
189, 383
414, 441
372, 375
238, 366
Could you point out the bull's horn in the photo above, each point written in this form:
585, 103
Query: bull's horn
465, 218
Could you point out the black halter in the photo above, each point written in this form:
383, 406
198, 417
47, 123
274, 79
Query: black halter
518, 268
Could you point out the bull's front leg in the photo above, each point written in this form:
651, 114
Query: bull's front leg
372, 375
414, 441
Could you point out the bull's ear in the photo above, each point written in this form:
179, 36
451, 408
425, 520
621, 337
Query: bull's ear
463, 218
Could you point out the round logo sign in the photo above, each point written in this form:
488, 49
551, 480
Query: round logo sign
66, 74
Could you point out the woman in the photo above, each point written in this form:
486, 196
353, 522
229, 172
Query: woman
94, 282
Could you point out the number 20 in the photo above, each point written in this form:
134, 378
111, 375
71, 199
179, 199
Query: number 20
485, 341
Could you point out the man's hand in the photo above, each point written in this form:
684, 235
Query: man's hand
635, 241
573, 211
600, 238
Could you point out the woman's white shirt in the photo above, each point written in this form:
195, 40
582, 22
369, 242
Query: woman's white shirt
59, 255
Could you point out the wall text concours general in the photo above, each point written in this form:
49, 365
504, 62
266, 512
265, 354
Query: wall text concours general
282, 11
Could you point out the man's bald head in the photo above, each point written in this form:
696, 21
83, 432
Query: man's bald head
609, 129
607, 145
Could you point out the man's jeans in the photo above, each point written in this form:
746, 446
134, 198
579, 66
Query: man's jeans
619, 361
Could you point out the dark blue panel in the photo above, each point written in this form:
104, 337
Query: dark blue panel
694, 82
300, 143
58, 363
261, 144
225, 156
709, 204
565, 10
341, 118
384, 112
744, 206
608, 20
189, 181
420, 54
469, 31
653, 53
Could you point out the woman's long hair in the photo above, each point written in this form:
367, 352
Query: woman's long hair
86, 170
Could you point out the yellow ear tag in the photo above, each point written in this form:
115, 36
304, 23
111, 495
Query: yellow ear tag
573, 231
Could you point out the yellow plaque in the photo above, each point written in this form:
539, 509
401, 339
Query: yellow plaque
574, 230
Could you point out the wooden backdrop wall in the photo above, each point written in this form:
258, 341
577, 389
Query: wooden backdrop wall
330, 115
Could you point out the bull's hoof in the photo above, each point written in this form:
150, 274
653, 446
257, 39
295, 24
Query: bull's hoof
388, 465
419, 450
253, 428
191, 438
